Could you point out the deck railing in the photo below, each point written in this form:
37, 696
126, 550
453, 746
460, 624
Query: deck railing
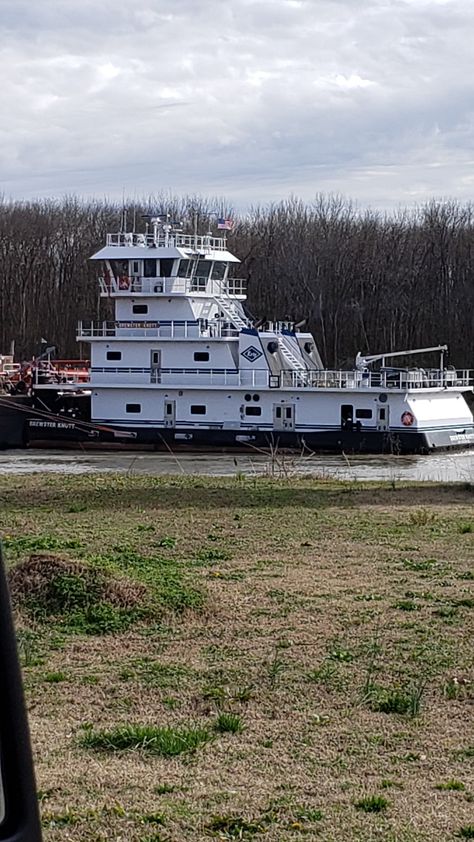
154, 330
162, 239
262, 378
409, 379
174, 285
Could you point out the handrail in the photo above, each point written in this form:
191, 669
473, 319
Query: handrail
171, 285
198, 243
313, 379
165, 330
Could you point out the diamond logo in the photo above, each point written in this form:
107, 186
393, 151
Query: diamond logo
251, 354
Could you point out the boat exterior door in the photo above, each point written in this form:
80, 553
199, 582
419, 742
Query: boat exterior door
155, 366
170, 414
135, 272
284, 416
382, 416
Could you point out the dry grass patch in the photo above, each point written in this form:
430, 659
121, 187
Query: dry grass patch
305, 638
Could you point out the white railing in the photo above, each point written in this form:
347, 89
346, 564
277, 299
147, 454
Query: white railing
409, 379
166, 286
10, 368
286, 379
277, 327
148, 329
173, 239
180, 376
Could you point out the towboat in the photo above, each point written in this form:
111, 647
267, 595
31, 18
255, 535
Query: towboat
184, 364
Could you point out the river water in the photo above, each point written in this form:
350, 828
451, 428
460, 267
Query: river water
455, 466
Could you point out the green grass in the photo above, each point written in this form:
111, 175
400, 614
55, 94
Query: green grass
372, 804
229, 723
403, 701
167, 742
451, 786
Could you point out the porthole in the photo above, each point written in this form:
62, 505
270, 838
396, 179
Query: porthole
272, 347
248, 397
256, 397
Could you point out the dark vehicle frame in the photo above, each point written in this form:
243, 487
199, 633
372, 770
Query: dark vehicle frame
19, 815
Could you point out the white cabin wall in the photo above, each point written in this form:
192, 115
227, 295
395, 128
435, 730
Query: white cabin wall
222, 408
159, 307
227, 407
177, 353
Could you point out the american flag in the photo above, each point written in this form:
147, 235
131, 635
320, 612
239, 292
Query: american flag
225, 224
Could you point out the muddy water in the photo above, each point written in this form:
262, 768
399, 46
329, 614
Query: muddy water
440, 467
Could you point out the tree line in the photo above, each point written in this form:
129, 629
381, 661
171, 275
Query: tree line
365, 281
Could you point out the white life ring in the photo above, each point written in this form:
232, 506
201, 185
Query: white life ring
407, 419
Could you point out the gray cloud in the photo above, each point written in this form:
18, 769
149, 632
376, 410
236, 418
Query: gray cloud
252, 99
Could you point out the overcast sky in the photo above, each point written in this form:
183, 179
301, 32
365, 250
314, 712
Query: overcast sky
248, 99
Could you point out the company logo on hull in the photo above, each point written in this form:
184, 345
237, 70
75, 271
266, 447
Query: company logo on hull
251, 354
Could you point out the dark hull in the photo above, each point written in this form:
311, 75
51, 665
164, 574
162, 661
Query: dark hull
13, 421
57, 433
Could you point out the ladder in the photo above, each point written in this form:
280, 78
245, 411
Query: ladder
295, 363
232, 311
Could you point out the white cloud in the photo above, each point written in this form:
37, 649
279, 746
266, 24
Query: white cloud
251, 99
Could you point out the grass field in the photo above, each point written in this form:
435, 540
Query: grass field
246, 659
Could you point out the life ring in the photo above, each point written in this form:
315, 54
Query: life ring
124, 282
407, 419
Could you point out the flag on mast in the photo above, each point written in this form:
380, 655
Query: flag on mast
225, 224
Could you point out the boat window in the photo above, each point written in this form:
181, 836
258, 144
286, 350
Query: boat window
114, 355
278, 412
363, 413
198, 409
166, 267
203, 268
253, 410
133, 407
218, 270
289, 411
119, 268
149, 268
140, 309
201, 357
185, 268
382, 413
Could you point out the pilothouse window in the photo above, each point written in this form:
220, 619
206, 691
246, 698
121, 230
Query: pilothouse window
149, 268
218, 270
119, 268
185, 268
201, 275
166, 266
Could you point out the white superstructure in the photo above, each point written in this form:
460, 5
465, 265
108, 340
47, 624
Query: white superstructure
182, 360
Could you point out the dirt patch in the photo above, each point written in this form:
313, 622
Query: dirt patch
50, 586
